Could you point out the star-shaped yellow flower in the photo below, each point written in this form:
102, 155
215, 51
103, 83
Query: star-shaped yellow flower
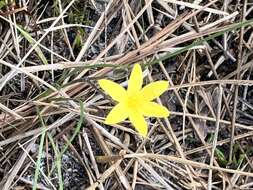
135, 102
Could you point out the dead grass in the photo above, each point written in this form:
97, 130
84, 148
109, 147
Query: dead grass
52, 134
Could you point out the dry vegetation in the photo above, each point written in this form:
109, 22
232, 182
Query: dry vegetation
53, 52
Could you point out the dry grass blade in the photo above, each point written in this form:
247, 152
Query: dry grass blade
11, 112
8, 76
188, 162
217, 125
195, 6
105, 175
7, 181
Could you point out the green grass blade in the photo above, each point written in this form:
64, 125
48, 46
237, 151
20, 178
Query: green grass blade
29, 38
38, 163
77, 130
58, 161
200, 41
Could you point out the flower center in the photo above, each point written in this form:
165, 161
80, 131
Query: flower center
133, 101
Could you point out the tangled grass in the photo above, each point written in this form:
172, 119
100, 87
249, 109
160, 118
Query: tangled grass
52, 131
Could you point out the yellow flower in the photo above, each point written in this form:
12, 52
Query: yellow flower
135, 102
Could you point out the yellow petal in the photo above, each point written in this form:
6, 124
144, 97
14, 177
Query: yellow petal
117, 114
116, 91
152, 109
139, 123
135, 80
154, 90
